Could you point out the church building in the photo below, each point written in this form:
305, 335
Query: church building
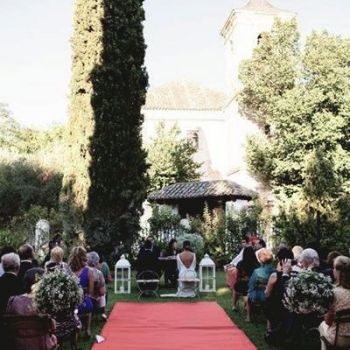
212, 119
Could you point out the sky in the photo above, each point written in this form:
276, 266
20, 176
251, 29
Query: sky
183, 39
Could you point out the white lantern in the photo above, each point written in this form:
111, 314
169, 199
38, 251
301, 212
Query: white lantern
122, 276
207, 275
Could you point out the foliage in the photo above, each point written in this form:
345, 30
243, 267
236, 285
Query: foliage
34, 140
213, 230
302, 102
170, 158
23, 140
9, 129
10, 238
58, 294
309, 292
239, 223
30, 179
105, 178
270, 72
294, 225
21, 228
222, 233
164, 224
23, 185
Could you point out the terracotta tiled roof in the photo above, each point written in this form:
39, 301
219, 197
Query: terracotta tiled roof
202, 189
185, 96
261, 6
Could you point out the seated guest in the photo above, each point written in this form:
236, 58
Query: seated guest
341, 302
274, 309
99, 294
78, 265
230, 269
56, 261
186, 265
104, 268
297, 250
245, 269
245, 243
258, 281
259, 243
170, 269
172, 248
26, 254
106, 272
52, 244
5, 250
9, 283
323, 254
24, 305
309, 260
328, 271
147, 259
155, 248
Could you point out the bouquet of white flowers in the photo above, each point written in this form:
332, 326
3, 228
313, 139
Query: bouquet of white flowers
58, 294
309, 292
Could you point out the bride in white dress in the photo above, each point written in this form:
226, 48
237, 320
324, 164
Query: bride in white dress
186, 265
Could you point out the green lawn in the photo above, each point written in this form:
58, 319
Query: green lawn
253, 330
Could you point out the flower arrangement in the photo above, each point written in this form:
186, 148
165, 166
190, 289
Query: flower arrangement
309, 292
58, 294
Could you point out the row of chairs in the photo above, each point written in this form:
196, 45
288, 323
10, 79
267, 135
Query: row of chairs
15, 328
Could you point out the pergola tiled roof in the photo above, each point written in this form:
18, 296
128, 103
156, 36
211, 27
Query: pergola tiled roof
225, 189
182, 95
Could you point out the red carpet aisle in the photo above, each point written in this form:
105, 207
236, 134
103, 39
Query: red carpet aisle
175, 326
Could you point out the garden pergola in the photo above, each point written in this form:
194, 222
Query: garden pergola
190, 198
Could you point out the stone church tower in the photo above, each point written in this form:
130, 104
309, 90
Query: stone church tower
213, 118
241, 33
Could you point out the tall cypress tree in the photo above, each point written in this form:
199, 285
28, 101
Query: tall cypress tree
105, 179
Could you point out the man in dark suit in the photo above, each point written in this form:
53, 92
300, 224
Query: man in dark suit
9, 282
147, 259
26, 254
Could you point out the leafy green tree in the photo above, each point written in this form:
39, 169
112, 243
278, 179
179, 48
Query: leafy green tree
23, 185
270, 72
22, 140
304, 111
105, 179
9, 129
31, 140
171, 158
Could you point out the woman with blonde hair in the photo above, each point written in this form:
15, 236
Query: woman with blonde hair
258, 280
341, 271
78, 265
56, 261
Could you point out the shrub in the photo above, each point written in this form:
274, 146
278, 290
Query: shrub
165, 224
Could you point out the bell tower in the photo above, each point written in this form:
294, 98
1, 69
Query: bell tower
242, 32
